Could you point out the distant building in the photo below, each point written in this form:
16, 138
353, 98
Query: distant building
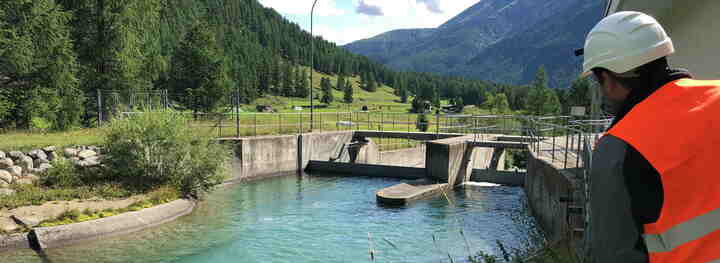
693, 27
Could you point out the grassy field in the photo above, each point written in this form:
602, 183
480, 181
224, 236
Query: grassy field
24, 140
382, 100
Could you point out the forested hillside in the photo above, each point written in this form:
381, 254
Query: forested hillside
55, 54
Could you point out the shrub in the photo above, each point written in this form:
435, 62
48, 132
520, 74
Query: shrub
64, 174
155, 149
422, 123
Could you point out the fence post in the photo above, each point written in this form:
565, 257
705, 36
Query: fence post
554, 135
577, 156
99, 103
567, 143
437, 125
237, 115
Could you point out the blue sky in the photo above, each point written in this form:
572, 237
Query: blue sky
344, 21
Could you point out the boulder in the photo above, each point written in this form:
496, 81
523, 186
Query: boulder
2, 155
26, 163
6, 192
85, 154
37, 154
39, 161
25, 180
52, 156
6, 163
70, 152
6, 177
16, 155
15, 171
49, 149
44, 167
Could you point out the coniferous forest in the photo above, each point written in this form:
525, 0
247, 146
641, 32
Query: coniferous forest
55, 54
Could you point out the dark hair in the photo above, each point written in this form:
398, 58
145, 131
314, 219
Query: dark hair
637, 78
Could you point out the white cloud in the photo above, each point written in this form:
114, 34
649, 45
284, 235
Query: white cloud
302, 7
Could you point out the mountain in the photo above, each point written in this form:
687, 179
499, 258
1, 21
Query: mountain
496, 40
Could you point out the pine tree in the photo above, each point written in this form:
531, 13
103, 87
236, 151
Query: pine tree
38, 66
326, 87
288, 86
403, 95
198, 71
371, 84
301, 88
537, 98
340, 83
276, 79
500, 104
348, 93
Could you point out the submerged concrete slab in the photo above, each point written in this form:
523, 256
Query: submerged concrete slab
405, 193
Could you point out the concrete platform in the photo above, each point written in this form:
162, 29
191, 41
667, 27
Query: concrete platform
405, 193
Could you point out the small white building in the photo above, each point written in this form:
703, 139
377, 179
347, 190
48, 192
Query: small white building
694, 27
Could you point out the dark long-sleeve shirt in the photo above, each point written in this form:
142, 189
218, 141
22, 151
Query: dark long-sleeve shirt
626, 191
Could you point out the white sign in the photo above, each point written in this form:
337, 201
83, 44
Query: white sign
577, 111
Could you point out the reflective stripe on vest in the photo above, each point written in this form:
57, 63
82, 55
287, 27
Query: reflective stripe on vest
683, 233
677, 130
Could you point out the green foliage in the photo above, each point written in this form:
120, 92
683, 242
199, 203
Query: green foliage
64, 174
422, 123
158, 148
198, 71
541, 100
40, 123
500, 104
288, 83
38, 68
326, 87
348, 93
301, 89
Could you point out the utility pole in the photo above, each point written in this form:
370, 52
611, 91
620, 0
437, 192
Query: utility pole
312, 65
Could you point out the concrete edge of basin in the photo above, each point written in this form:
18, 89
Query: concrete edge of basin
14, 241
58, 236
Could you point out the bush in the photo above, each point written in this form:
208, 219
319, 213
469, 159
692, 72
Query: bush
156, 149
64, 174
422, 123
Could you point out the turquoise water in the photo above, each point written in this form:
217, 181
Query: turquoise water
314, 219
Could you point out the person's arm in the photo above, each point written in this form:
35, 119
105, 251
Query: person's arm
612, 234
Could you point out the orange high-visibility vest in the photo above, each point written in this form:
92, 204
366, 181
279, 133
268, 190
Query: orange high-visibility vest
677, 129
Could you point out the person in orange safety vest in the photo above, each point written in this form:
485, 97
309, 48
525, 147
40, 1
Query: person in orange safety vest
654, 190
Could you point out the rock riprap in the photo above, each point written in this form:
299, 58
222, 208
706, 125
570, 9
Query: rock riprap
17, 167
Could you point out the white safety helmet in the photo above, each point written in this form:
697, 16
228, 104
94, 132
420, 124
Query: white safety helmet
624, 41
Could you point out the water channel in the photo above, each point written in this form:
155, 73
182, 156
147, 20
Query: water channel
314, 218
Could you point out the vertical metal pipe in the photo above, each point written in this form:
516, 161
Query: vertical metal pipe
99, 103
554, 135
237, 115
312, 63
567, 142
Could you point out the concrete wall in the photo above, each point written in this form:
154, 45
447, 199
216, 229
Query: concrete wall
544, 186
498, 177
692, 27
259, 157
449, 160
411, 157
372, 170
